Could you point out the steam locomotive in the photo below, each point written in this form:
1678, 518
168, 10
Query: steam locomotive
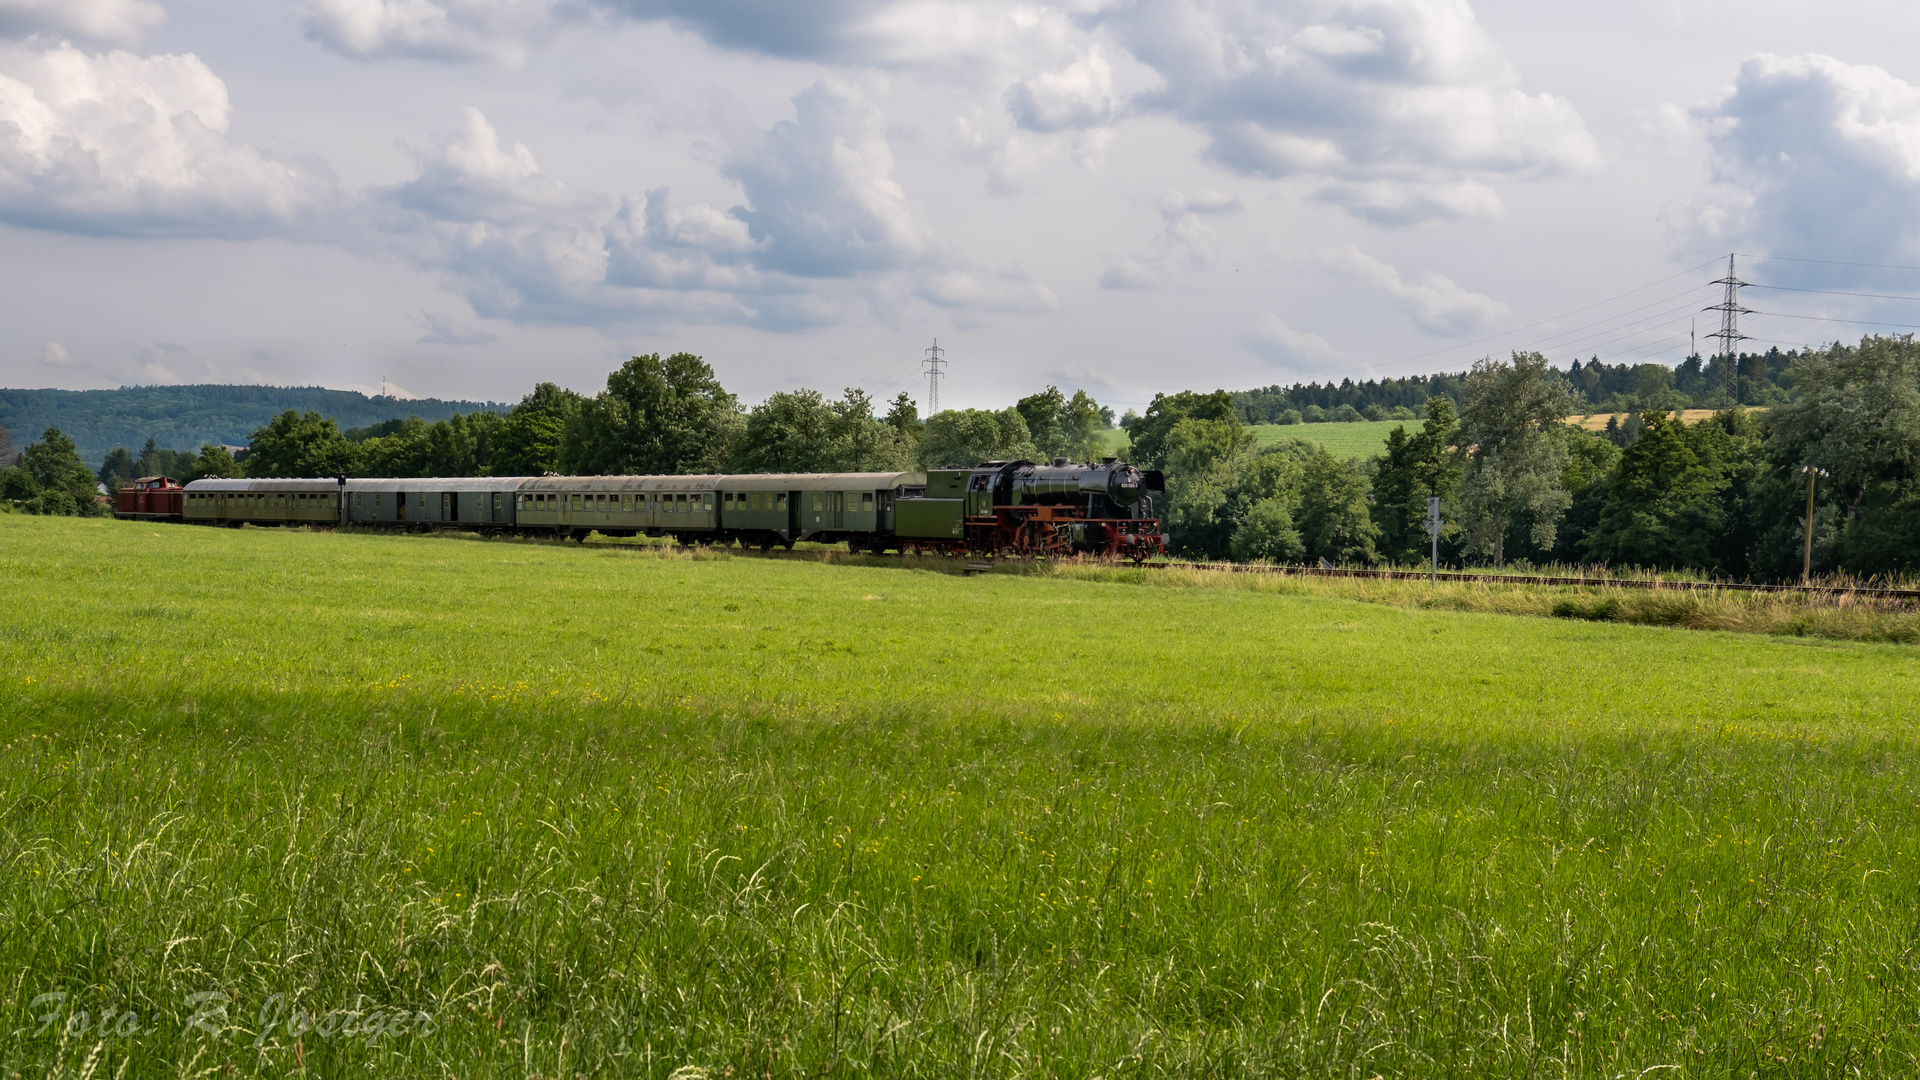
1021, 508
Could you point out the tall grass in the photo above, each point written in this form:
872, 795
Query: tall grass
637, 812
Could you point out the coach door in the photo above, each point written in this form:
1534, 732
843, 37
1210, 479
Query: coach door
449, 506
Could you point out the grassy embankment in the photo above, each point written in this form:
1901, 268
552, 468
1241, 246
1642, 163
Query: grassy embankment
619, 811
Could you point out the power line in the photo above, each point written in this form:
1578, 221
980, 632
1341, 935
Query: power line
1856, 322
1834, 292
1827, 262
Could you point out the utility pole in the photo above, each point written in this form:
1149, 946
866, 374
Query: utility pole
1433, 532
935, 367
1729, 332
1806, 563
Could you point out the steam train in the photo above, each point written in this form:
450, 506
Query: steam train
995, 508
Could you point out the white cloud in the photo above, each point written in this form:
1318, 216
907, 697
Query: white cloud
975, 291
450, 30
126, 144
821, 196
1397, 109
150, 363
1277, 343
118, 21
516, 242
1810, 156
826, 236
1079, 96
445, 330
56, 355
1186, 242
1435, 304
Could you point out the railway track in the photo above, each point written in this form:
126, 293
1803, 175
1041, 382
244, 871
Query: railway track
1652, 584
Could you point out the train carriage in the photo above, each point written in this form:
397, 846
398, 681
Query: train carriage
576, 506
482, 503
262, 502
783, 508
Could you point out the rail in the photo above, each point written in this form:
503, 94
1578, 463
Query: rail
1597, 581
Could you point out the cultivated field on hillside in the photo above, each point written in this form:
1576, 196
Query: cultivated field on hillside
1356, 440
277, 802
1362, 439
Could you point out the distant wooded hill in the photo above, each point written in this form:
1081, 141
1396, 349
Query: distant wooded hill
184, 417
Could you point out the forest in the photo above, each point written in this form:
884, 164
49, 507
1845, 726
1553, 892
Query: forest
187, 415
1836, 429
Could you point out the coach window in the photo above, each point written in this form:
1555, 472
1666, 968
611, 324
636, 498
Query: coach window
866, 501
816, 500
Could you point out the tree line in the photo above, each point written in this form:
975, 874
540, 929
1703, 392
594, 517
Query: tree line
657, 415
1519, 485
1751, 379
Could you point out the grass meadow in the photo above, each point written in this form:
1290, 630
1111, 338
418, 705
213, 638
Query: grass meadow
288, 803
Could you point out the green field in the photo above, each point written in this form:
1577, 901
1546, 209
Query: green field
536, 809
1357, 440
1364, 439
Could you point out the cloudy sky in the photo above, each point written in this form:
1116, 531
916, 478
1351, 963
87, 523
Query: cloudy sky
466, 196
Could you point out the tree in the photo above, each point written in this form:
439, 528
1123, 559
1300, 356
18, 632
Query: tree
1414, 469
528, 441
791, 431
1591, 460
1512, 476
300, 445
1270, 491
1267, 534
53, 480
1663, 504
1335, 523
117, 469
154, 461
1063, 427
1148, 434
904, 417
1855, 412
655, 417
1206, 466
966, 437
214, 461
801, 431
861, 441
7, 452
